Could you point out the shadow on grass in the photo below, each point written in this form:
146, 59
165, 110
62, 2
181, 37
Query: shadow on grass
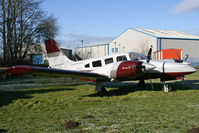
28, 83
127, 88
7, 97
3, 130
23, 87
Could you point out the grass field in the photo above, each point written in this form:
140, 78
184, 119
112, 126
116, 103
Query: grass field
52, 105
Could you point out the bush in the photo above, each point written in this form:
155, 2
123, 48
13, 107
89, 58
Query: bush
12, 62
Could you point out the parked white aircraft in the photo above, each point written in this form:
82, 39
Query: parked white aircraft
118, 67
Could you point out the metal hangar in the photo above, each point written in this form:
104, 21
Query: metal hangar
140, 40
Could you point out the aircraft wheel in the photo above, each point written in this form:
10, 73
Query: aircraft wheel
166, 88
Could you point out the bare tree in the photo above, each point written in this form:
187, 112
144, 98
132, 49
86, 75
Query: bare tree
20, 27
48, 28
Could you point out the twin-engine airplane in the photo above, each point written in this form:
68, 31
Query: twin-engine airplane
119, 67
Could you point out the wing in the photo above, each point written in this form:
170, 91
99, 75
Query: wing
50, 72
3, 69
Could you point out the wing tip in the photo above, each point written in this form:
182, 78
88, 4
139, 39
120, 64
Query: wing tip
18, 70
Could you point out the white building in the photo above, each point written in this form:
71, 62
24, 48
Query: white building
140, 40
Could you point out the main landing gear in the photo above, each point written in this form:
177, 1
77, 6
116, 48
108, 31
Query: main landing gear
166, 88
100, 88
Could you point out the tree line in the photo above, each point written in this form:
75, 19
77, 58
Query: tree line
22, 25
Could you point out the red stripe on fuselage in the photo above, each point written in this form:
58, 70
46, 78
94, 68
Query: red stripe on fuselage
176, 74
88, 80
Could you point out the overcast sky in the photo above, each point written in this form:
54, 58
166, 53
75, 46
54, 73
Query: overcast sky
102, 20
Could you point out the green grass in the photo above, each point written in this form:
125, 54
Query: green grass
43, 105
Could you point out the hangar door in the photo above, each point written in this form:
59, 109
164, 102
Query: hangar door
190, 47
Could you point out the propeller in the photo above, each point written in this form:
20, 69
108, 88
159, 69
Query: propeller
181, 61
149, 54
147, 68
183, 77
187, 56
179, 58
148, 60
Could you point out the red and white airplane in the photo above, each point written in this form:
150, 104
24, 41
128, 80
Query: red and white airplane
119, 67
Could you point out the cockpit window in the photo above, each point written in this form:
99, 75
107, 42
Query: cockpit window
121, 58
108, 60
136, 56
87, 65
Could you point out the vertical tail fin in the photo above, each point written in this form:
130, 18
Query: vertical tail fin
55, 56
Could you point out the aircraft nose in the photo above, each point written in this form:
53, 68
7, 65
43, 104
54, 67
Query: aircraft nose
191, 69
148, 66
186, 68
177, 69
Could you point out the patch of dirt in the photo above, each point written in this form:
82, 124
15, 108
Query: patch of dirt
110, 112
194, 130
126, 99
88, 117
70, 124
32, 104
79, 98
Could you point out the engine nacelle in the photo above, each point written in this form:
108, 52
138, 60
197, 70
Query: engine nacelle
126, 69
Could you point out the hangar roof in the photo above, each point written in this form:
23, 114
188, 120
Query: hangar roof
167, 33
97, 43
155, 33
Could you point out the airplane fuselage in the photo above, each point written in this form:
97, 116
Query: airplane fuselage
122, 67
118, 67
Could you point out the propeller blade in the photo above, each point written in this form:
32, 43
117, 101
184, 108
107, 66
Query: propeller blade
179, 58
187, 56
149, 54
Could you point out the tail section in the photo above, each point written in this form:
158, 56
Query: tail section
51, 46
56, 58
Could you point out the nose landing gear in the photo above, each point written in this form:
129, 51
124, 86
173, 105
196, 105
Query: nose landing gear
166, 88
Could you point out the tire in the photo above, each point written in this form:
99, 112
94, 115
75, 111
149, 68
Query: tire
166, 88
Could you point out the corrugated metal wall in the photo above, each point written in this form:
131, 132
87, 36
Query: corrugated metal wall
93, 51
190, 47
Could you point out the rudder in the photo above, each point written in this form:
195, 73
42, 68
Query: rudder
55, 56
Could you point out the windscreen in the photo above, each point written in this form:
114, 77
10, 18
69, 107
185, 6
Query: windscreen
136, 56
